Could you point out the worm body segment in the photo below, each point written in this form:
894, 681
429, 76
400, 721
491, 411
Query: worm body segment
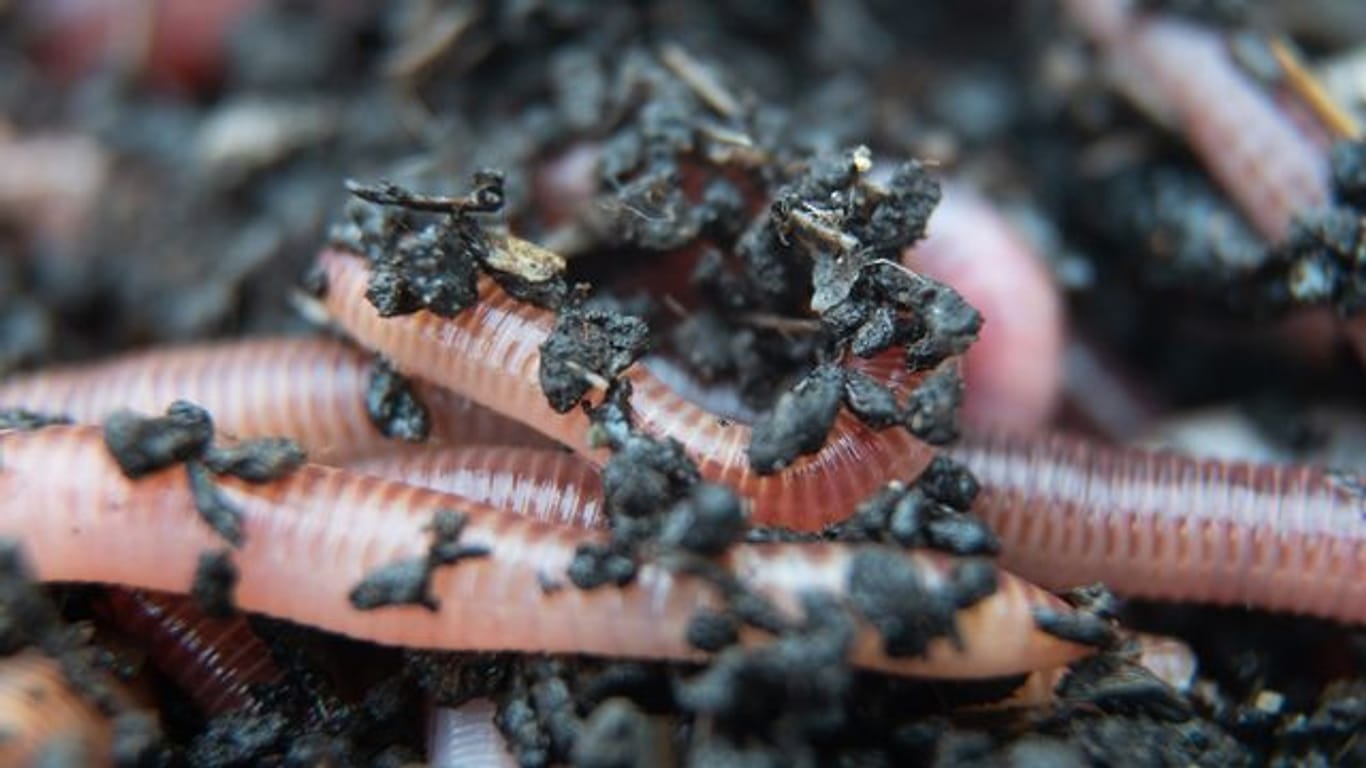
550, 486
218, 663
311, 390
1167, 527
490, 353
310, 537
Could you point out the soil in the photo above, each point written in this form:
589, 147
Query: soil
764, 164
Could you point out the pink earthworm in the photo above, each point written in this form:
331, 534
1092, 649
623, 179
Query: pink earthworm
311, 390
491, 354
217, 662
550, 486
314, 535
42, 716
467, 736
1167, 527
1251, 146
1014, 369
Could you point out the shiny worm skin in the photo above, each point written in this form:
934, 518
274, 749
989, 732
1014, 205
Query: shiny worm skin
1068, 512
219, 663
309, 389
1261, 159
550, 486
42, 718
490, 353
312, 536
467, 737
1163, 526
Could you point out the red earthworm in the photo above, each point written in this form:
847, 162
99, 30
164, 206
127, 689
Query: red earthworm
217, 662
179, 46
1251, 147
312, 390
491, 354
41, 715
467, 737
312, 536
550, 486
1163, 526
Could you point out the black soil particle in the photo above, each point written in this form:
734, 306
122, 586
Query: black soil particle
428, 269
393, 407
215, 581
712, 631
142, 445
932, 409
799, 423
1348, 161
1113, 684
950, 483
616, 735
873, 403
911, 517
1077, 627
586, 349
259, 460
1327, 260
27, 615
434, 267
25, 419
597, 565
791, 690
890, 593
213, 507
706, 523
409, 582
453, 678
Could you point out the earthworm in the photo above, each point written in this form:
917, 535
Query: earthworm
1166, 658
314, 535
179, 46
1250, 146
490, 353
51, 183
550, 486
42, 716
467, 737
311, 390
1014, 369
1163, 526
217, 662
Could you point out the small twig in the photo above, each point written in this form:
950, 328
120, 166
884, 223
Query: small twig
700, 79
1311, 91
486, 197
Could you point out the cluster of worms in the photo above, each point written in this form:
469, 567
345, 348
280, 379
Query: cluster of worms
482, 454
